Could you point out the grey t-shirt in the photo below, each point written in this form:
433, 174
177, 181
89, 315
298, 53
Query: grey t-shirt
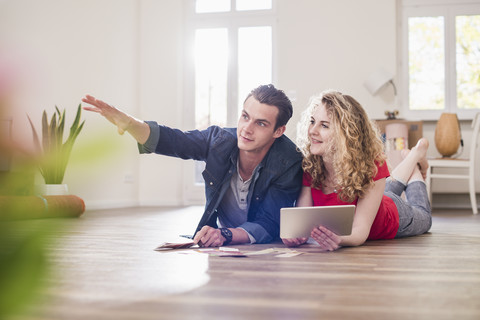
234, 205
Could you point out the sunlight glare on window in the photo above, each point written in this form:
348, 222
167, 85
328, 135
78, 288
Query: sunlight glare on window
253, 5
468, 61
254, 60
205, 6
211, 63
426, 63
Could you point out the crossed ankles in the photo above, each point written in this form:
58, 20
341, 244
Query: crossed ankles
421, 149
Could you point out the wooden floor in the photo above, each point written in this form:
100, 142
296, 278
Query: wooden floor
106, 268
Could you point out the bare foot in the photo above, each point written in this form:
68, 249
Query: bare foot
421, 148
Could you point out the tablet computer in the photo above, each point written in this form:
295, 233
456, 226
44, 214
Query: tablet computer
298, 222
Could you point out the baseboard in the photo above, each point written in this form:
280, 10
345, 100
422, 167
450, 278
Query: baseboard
110, 204
452, 201
160, 203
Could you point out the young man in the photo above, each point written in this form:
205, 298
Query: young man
251, 171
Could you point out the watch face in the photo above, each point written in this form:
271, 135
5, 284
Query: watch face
227, 234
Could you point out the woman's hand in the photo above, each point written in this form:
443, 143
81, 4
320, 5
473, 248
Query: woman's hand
327, 240
294, 242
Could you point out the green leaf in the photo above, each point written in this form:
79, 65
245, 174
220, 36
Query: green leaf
45, 134
74, 126
36, 139
61, 122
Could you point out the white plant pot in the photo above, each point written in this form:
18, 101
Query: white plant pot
53, 189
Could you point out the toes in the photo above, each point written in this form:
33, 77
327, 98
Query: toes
423, 162
422, 144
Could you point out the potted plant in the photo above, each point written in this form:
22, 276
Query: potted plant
55, 153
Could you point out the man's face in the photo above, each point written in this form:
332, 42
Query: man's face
256, 126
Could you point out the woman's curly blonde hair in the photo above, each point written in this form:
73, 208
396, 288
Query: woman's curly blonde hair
356, 148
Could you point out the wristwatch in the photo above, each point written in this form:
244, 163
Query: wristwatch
227, 234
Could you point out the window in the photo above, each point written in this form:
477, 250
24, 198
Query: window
222, 66
209, 6
211, 70
441, 72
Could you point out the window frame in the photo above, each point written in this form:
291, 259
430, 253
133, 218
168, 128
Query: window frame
449, 10
233, 20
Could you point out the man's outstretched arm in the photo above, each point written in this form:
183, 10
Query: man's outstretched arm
124, 122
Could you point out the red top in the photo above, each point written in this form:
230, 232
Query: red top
385, 225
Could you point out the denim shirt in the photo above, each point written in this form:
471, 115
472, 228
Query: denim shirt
276, 182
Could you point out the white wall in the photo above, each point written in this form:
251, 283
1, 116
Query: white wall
334, 45
161, 30
130, 53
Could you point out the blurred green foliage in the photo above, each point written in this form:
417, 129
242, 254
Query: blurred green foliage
23, 264
23, 257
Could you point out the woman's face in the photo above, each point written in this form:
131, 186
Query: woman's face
319, 131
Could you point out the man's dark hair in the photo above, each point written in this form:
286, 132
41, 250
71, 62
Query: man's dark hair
272, 96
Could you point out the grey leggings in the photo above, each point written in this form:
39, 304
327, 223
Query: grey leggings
415, 214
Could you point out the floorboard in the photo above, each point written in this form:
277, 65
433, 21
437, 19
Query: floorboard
104, 267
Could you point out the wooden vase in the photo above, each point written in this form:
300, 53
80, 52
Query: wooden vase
447, 134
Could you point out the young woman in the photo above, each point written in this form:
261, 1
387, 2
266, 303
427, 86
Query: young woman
344, 163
